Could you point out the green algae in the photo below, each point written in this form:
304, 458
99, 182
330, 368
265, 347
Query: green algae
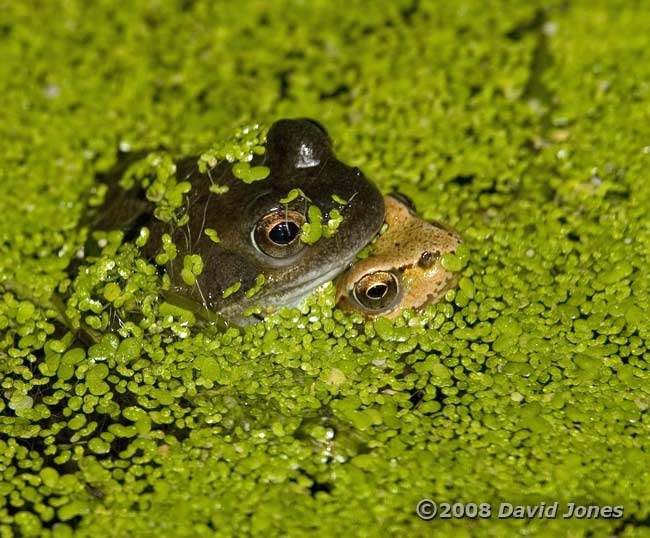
522, 124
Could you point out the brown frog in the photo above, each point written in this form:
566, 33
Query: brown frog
404, 269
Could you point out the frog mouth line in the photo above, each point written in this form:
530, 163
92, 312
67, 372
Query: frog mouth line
293, 296
297, 293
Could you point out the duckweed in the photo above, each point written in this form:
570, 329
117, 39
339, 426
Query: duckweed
212, 234
312, 230
292, 195
192, 267
524, 125
248, 173
231, 289
259, 282
333, 223
238, 148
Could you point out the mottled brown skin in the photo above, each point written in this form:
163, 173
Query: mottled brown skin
410, 249
299, 155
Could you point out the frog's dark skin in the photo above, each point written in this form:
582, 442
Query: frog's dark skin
299, 155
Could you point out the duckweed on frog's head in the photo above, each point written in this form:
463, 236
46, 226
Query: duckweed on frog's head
255, 233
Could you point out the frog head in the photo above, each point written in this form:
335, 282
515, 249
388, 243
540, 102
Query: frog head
279, 238
404, 269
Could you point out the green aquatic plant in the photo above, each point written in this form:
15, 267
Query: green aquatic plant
522, 124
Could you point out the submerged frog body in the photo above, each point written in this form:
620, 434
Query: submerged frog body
250, 241
403, 270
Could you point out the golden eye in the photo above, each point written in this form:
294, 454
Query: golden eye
378, 291
277, 234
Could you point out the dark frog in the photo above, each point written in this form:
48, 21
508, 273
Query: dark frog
268, 242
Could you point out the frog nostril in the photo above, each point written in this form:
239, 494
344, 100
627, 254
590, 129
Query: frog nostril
378, 291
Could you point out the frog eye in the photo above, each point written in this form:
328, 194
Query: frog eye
378, 291
277, 234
